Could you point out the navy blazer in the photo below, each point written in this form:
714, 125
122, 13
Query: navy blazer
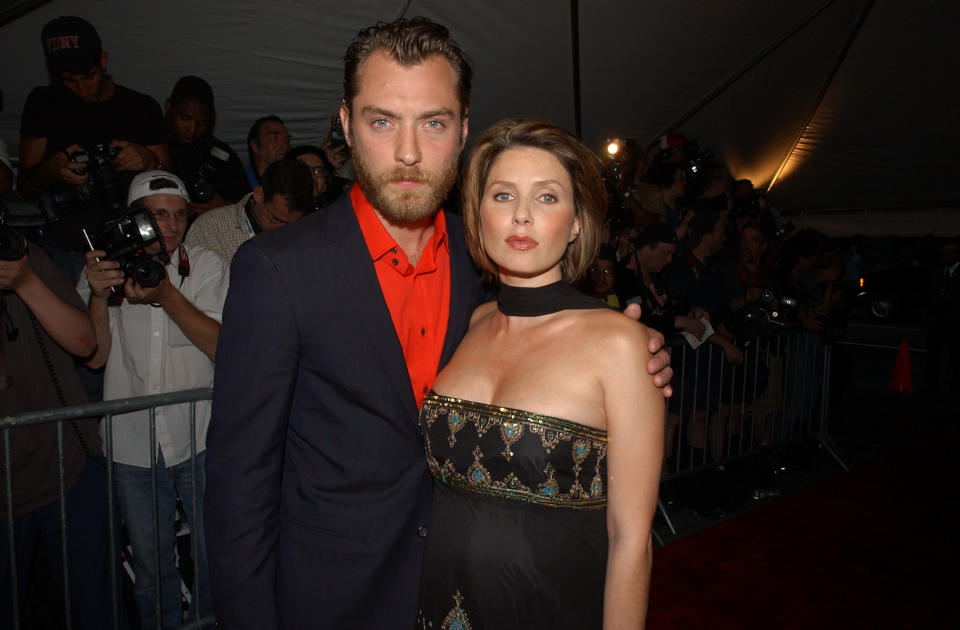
318, 494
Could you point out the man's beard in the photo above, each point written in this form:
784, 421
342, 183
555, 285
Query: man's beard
410, 206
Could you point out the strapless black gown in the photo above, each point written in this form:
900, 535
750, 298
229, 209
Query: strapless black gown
518, 537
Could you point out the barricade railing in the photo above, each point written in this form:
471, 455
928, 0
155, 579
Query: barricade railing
720, 411
106, 411
774, 394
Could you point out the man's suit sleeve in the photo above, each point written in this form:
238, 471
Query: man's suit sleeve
256, 372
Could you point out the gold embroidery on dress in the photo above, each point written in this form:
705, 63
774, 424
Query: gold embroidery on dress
455, 422
549, 488
580, 450
456, 619
548, 437
585, 444
510, 432
477, 474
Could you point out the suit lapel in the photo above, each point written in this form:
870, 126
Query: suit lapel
359, 279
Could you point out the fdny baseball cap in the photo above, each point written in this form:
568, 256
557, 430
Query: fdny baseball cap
70, 44
156, 183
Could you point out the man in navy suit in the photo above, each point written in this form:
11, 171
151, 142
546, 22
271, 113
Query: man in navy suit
318, 495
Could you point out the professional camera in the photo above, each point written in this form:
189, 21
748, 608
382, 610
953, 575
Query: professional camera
126, 240
203, 190
337, 137
694, 159
619, 214
17, 221
768, 314
104, 183
13, 244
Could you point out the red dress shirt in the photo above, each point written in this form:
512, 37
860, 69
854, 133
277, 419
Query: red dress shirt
418, 297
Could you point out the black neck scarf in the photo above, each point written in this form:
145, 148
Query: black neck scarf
537, 301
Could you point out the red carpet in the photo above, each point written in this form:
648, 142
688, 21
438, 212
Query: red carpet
873, 548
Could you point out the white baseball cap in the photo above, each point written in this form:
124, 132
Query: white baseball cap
156, 183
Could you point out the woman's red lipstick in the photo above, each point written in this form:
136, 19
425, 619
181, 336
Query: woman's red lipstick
521, 242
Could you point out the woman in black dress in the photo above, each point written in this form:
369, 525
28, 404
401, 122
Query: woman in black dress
544, 432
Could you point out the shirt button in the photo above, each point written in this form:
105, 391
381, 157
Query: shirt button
423, 331
393, 250
395, 262
425, 390
422, 531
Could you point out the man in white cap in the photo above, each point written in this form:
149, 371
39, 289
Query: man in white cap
159, 339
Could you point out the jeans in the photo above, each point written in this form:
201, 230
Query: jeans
136, 504
88, 551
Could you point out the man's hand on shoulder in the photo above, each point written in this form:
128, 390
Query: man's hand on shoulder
659, 363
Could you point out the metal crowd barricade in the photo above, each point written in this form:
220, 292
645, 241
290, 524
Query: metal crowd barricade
721, 412
105, 410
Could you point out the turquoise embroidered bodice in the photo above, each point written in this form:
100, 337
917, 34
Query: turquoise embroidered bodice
514, 454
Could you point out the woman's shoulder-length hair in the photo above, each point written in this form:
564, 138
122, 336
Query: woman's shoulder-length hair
582, 165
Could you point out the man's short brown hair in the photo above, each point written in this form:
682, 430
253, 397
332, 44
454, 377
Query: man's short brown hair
581, 164
409, 42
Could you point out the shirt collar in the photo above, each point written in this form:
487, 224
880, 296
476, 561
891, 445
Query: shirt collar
378, 240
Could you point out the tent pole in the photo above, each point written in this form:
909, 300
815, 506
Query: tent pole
857, 27
742, 70
575, 51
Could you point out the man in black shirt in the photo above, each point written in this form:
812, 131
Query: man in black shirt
208, 166
83, 137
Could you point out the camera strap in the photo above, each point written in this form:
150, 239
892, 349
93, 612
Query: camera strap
183, 263
9, 328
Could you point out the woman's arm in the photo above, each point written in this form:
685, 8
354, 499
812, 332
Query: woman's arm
635, 416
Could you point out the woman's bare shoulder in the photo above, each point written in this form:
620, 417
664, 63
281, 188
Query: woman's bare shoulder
616, 332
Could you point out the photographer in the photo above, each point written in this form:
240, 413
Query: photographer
662, 194
326, 186
208, 166
159, 339
337, 151
285, 195
44, 326
624, 188
83, 137
267, 142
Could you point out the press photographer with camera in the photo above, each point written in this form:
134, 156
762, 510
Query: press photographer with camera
44, 327
159, 339
83, 137
208, 166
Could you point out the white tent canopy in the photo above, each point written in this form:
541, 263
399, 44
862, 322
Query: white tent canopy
846, 106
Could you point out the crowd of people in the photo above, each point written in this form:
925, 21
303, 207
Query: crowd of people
378, 448
305, 483
711, 261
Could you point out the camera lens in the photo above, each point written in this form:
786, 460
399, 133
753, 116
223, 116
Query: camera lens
12, 244
147, 272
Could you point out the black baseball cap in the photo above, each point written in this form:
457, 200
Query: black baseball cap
70, 44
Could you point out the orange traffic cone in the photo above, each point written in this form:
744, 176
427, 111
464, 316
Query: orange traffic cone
902, 380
